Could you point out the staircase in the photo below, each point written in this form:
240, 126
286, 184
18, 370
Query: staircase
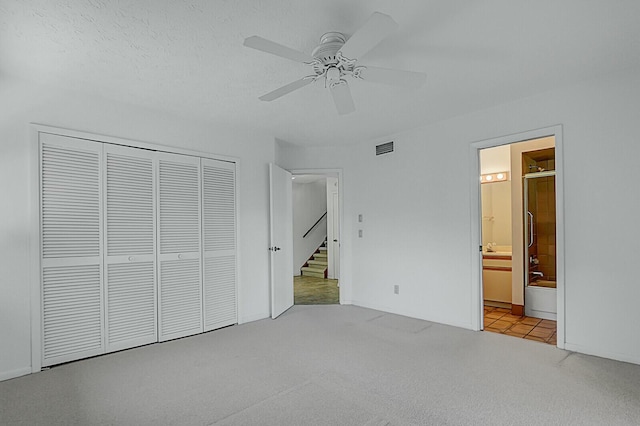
317, 264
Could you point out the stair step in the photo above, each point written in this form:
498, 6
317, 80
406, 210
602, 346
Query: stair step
313, 268
313, 272
320, 255
322, 249
320, 262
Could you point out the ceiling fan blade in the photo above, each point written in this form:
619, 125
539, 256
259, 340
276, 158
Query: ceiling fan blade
259, 43
298, 84
410, 79
377, 28
342, 98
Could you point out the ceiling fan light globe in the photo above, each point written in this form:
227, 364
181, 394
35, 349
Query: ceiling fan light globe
333, 74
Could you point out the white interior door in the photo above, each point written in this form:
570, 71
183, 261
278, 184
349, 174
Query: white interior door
130, 248
335, 241
179, 242
281, 242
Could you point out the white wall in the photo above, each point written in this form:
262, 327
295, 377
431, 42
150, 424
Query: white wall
496, 159
417, 212
309, 204
21, 104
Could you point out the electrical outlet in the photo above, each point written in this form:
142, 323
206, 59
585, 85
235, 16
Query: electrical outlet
396, 289
360, 218
359, 233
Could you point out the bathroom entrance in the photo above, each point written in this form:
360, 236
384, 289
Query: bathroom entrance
518, 238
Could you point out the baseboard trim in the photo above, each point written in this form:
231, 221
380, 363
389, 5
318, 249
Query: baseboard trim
254, 317
602, 354
517, 310
409, 314
6, 375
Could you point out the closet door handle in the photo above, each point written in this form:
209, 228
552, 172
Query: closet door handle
530, 228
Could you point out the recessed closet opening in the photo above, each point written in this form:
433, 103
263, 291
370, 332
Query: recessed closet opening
136, 245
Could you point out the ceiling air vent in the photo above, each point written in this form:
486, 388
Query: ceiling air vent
384, 148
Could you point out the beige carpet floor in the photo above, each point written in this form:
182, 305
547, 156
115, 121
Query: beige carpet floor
331, 365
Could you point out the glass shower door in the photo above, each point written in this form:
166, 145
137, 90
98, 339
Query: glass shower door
539, 244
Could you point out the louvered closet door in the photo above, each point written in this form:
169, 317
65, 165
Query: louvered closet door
130, 270
219, 241
180, 285
70, 202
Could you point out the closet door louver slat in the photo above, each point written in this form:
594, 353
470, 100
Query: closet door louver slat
179, 234
71, 257
131, 316
219, 240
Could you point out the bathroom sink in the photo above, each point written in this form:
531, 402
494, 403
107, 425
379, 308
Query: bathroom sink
496, 253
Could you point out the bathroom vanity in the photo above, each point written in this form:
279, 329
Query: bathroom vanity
496, 275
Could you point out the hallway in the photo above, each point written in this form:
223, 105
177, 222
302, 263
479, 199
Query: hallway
315, 291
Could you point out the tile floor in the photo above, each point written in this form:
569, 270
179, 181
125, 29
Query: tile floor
500, 320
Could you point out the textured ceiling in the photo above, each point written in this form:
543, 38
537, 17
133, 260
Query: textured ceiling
187, 57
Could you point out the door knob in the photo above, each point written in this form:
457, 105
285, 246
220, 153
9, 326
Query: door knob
335, 241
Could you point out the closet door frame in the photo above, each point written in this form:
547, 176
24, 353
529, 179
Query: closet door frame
35, 239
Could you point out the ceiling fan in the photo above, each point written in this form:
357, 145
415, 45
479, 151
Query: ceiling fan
335, 59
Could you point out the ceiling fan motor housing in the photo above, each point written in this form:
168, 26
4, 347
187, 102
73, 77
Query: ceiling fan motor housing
326, 57
329, 45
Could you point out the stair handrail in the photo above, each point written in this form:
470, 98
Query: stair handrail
314, 225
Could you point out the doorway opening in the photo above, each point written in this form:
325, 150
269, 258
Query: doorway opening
520, 290
316, 230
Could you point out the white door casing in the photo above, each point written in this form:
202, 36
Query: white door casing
476, 228
335, 241
332, 184
281, 240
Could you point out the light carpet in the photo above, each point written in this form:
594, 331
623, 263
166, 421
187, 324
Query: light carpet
334, 365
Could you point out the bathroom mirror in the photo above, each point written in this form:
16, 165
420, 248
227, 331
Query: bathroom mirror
496, 213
